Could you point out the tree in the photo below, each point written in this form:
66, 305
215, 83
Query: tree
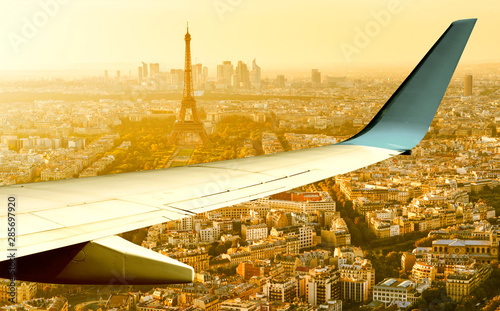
211, 249
227, 244
468, 303
436, 298
393, 259
236, 227
493, 304
236, 242
221, 249
424, 242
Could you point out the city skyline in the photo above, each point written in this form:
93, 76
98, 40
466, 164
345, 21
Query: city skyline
60, 35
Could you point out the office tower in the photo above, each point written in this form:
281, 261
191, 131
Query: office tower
220, 74
225, 73
106, 76
468, 85
197, 73
243, 75
145, 70
235, 81
118, 76
183, 128
139, 74
205, 74
315, 77
154, 69
255, 75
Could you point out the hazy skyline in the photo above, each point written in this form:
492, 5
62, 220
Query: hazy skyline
69, 34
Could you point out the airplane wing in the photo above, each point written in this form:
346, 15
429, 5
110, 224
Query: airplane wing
64, 230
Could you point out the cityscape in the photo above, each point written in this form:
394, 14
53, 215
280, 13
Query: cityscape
415, 232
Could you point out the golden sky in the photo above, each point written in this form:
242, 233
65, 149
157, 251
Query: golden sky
63, 34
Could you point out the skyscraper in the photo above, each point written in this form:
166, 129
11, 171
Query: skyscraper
197, 73
468, 85
225, 73
255, 74
145, 70
205, 74
315, 77
154, 69
243, 75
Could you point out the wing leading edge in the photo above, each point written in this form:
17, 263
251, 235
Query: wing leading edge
65, 215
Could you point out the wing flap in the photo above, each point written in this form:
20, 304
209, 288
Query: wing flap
107, 261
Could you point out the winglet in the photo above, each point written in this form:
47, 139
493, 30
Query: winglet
404, 120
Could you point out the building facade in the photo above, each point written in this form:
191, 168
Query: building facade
390, 290
281, 289
323, 285
464, 282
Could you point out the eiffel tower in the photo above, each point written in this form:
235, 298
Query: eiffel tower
184, 128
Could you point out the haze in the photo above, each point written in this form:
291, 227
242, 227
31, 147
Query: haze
83, 34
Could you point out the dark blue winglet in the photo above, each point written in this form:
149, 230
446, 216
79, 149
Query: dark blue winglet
404, 120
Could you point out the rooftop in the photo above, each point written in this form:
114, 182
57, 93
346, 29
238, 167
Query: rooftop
395, 283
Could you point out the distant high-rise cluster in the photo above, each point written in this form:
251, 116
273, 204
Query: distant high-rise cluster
147, 71
173, 79
107, 79
468, 86
229, 76
239, 77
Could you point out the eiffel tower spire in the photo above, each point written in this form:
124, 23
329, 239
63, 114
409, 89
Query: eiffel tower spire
188, 92
183, 127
